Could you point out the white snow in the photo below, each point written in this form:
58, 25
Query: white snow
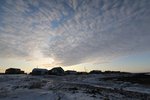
70, 87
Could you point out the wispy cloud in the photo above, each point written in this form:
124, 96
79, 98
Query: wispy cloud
74, 31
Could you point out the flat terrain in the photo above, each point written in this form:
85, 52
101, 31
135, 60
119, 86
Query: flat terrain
75, 87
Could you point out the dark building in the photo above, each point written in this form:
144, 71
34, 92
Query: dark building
70, 72
95, 72
39, 71
82, 73
56, 71
14, 71
112, 71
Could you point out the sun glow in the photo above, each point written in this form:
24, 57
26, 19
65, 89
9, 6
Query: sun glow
40, 60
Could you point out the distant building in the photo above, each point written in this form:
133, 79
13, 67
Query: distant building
95, 72
71, 72
82, 73
56, 71
39, 71
14, 71
112, 71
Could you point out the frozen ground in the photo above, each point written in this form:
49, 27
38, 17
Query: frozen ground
70, 87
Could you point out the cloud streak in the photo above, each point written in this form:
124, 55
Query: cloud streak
74, 31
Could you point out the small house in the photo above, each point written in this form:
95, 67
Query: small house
39, 71
14, 71
56, 71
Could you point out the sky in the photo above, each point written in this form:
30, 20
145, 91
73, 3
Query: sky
81, 35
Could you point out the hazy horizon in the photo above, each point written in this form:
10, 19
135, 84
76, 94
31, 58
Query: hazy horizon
75, 34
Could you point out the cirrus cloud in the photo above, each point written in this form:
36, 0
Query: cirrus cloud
74, 31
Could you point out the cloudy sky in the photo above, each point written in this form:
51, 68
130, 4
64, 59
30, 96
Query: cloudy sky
75, 34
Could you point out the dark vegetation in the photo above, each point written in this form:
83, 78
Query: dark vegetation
138, 78
133, 78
